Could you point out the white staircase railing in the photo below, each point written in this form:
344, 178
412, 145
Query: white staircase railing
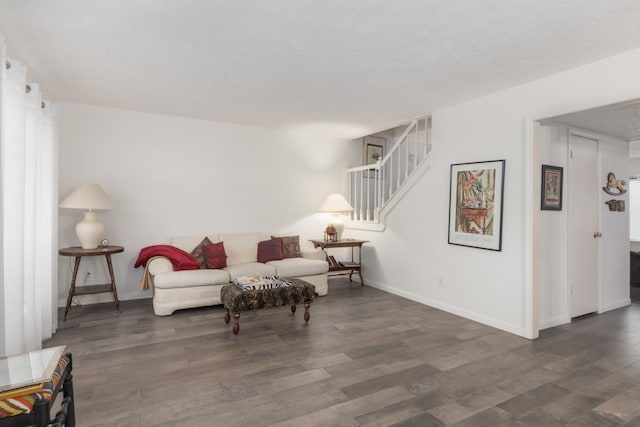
373, 190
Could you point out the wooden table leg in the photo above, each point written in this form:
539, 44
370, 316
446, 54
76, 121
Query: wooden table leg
72, 288
293, 308
307, 315
360, 262
113, 282
236, 323
227, 317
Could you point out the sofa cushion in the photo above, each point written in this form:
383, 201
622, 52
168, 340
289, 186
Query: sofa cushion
241, 248
215, 256
297, 267
198, 252
188, 278
249, 268
269, 250
290, 245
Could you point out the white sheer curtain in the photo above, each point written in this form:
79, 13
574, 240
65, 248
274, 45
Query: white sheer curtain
28, 211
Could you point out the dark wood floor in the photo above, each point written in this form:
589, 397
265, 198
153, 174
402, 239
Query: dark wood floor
366, 358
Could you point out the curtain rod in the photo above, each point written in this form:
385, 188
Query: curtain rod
27, 88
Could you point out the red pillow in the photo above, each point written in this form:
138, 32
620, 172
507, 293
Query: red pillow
270, 250
214, 255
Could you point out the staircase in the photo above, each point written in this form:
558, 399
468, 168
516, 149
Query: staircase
373, 190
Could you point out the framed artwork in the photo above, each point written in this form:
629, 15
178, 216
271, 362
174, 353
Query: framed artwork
374, 153
373, 150
475, 204
551, 188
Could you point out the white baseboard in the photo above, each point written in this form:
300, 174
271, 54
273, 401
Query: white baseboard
554, 321
495, 323
102, 298
564, 319
616, 304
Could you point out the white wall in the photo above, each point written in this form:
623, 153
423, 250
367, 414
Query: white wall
172, 176
551, 237
614, 226
634, 170
412, 254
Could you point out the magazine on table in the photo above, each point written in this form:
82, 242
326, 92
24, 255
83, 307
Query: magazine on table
349, 264
257, 281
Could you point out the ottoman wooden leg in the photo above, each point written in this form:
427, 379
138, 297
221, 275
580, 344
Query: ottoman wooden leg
236, 323
227, 317
293, 308
307, 315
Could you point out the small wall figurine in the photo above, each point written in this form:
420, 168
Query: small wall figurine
614, 186
615, 205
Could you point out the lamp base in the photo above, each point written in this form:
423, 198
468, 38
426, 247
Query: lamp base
338, 224
90, 231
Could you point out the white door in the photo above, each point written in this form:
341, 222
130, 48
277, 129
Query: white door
583, 192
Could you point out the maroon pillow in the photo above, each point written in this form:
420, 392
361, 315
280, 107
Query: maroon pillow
270, 250
214, 255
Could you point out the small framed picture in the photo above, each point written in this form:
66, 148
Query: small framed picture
551, 188
374, 153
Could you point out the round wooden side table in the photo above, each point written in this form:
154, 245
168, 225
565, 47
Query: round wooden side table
74, 290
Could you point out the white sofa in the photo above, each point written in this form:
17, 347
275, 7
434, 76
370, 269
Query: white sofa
175, 290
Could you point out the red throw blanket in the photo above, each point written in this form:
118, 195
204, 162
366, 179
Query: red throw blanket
180, 259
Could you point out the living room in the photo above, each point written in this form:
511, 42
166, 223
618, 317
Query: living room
178, 173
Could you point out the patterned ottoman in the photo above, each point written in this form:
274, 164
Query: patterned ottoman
236, 300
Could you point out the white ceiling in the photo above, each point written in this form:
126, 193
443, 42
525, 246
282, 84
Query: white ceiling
346, 68
620, 120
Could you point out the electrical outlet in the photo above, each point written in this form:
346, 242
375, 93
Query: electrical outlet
441, 281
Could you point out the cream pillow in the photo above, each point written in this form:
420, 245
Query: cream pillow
241, 247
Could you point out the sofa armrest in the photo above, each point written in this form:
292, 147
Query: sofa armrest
159, 264
313, 253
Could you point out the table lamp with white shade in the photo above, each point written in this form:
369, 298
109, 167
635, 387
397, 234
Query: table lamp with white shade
338, 206
89, 197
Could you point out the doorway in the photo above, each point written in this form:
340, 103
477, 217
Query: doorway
547, 289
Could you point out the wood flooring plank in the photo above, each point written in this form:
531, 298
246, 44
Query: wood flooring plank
571, 407
385, 381
622, 407
344, 412
403, 410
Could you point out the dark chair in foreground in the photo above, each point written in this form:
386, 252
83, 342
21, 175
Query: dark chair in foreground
34, 410
64, 417
635, 269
